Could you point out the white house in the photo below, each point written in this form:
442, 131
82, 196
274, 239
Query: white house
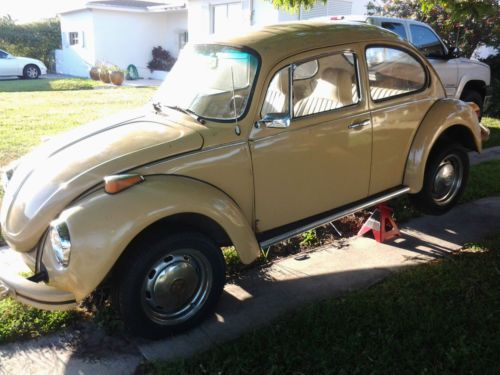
124, 32
119, 32
225, 16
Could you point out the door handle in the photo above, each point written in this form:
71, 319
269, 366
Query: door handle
358, 125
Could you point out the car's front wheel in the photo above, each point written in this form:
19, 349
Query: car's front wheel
170, 285
446, 176
31, 72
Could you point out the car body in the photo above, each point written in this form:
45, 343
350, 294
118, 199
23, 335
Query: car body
462, 78
225, 157
24, 67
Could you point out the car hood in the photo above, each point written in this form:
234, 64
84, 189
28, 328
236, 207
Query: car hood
28, 60
53, 175
466, 61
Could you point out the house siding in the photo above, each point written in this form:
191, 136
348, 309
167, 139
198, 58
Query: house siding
76, 60
117, 37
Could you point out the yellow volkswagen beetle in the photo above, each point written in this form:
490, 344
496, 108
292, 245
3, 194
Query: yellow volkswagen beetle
250, 140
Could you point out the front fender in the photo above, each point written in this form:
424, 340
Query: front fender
101, 226
444, 114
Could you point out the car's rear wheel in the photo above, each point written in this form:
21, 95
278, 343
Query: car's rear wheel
473, 96
31, 71
446, 176
170, 285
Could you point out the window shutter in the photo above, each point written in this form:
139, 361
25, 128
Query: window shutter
82, 39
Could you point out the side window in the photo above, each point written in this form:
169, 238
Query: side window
393, 72
330, 83
73, 38
277, 96
395, 27
426, 41
3, 54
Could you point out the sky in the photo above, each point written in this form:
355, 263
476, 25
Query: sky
33, 10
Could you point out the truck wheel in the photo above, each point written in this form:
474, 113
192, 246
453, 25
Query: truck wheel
446, 175
170, 285
31, 71
473, 96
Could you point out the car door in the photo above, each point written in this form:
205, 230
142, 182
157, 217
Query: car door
312, 151
8, 64
424, 38
399, 98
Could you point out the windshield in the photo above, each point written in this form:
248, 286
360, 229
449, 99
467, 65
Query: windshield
212, 81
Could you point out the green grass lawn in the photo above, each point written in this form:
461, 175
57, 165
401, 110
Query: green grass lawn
28, 116
54, 84
494, 125
437, 318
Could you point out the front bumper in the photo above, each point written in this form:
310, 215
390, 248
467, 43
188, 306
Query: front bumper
38, 295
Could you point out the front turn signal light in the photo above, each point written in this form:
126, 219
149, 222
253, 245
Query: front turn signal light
116, 183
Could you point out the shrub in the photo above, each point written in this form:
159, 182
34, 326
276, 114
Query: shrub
162, 60
494, 63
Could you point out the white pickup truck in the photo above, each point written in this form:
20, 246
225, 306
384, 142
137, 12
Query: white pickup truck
465, 79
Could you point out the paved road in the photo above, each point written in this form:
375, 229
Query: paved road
260, 295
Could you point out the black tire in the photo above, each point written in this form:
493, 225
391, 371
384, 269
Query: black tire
31, 71
473, 96
167, 268
445, 179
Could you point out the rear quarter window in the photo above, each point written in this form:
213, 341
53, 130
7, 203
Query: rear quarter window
393, 72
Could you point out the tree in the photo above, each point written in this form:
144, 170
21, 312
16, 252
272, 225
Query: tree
294, 5
37, 40
466, 24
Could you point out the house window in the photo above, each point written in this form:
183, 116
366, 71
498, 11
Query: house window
226, 17
73, 38
183, 39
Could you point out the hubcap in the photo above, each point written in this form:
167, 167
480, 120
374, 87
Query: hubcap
447, 180
32, 72
177, 286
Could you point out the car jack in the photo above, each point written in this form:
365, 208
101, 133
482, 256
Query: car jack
381, 224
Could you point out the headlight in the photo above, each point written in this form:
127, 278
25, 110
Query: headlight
60, 241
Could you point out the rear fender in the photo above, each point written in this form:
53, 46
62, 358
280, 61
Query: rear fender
441, 117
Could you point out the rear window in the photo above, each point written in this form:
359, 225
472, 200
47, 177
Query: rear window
395, 27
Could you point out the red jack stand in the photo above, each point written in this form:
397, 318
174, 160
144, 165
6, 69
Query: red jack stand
381, 223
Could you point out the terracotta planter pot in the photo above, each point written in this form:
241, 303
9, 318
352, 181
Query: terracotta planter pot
116, 78
104, 76
94, 73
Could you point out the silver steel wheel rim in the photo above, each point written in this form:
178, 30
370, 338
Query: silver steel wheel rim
176, 287
32, 72
447, 179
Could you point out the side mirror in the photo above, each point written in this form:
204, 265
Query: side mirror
454, 53
274, 120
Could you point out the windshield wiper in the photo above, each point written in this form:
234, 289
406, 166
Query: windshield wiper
157, 106
187, 112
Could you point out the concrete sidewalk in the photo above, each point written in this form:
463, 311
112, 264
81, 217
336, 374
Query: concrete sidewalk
262, 294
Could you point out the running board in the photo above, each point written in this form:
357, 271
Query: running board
299, 227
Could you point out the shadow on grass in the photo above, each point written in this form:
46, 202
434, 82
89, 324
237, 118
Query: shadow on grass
56, 84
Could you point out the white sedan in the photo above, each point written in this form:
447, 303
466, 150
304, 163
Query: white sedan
24, 67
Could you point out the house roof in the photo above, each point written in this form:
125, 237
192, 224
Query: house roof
132, 6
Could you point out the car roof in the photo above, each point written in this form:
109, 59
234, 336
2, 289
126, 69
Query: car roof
364, 18
276, 42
